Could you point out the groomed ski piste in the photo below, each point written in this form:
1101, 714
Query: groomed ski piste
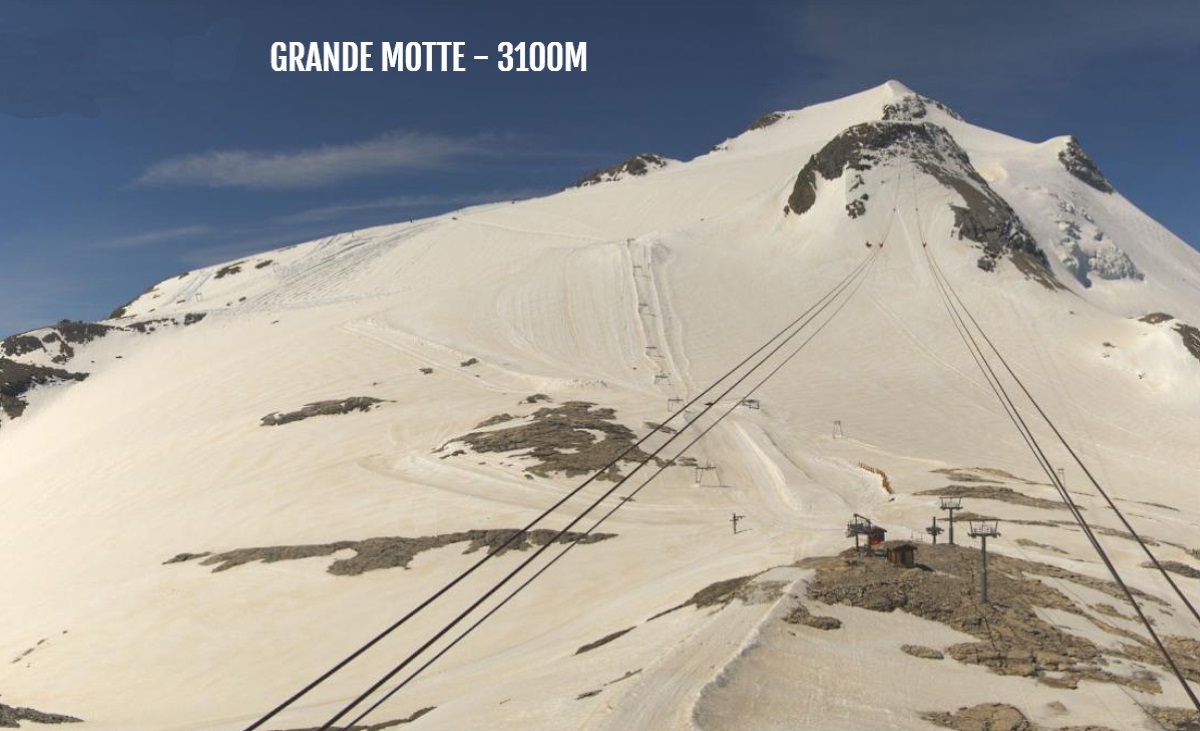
173, 563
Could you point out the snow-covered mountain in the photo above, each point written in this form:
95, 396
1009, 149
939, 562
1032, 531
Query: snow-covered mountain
250, 469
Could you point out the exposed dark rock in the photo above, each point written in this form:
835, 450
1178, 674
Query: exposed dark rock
536, 398
981, 474
469, 362
985, 218
1191, 338
228, 270
1077, 163
603, 640
1176, 719
1176, 567
1029, 543
994, 717
264, 264
426, 371
16, 380
18, 345
800, 614
1155, 318
148, 327
923, 652
1012, 636
993, 492
723, 593
323, 408
184, 557
378, 726
563, 440
913, 107
637, 165
80, 333
373, 554
765, 121
494, 420
11, 717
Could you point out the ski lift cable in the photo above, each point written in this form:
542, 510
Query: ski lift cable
602, 519
546, 546
459, 578
939, 277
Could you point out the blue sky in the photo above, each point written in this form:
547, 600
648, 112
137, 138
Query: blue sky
142, 139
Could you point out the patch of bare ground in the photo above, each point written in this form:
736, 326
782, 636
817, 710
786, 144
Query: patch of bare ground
17, 379
373, 554
1012, 637
801, 614
1109, 610
12, 716
562, 440
603, 640
981, 474
1176, 719
722, 593
1176, 567
923, 652
994, 717
1028, 543
381, 725
322, 408
995, 492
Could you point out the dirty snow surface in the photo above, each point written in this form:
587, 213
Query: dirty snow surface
510, 350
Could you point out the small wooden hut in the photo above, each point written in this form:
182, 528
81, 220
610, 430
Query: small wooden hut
901, 553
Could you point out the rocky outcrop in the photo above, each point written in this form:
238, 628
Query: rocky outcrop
11, 717
17, 379
562, 439
994, 717
1155, 318
765, 121
322, 408
1012, 635
983, 217
993, 492
637, 165
373, 554
56, 341
1077, 163
1191, 338
914, 107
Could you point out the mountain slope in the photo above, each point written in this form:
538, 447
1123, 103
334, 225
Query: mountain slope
498, 320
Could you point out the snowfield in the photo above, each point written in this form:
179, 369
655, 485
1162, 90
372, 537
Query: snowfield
625, 294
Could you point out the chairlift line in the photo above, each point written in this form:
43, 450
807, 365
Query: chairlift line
600, 521
798, 324
993, 379
857, 275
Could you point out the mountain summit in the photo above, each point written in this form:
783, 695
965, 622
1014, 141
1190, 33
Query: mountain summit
250, 469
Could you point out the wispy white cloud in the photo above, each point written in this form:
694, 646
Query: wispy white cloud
315, 167
152, 238
424, 202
